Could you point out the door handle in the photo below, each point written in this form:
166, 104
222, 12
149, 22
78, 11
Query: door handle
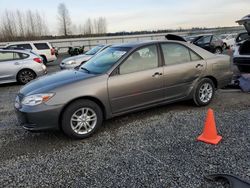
198, 65
16, 63
157, 74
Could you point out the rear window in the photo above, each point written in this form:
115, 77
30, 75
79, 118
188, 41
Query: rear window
41, 46
24, 46
21, 46
8, 56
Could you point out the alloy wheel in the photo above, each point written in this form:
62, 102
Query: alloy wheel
206, 92
26, 76
83, 120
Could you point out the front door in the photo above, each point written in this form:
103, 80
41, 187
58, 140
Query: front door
138, 81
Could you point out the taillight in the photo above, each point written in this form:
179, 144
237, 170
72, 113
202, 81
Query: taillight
38, 60
52, 50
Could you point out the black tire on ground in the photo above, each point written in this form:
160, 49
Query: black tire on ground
26, 75
200, 92
218, 50
73, 109
225, 46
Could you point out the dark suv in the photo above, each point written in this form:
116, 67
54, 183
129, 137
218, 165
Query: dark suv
209, 42
241, 57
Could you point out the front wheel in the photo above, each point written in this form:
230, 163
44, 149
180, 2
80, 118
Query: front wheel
81, 119
204, 92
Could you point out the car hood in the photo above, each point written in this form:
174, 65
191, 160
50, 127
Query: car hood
79, 58
49, 82
246, 22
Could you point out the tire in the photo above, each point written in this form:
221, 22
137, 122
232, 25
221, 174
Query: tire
224, 46
26, 75
75, 124
204, 92
218, 50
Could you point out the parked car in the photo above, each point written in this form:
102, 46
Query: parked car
121, 79
20, 66
191, 38
76, 50
44, 49
228, 40
76, 61
209, 42
241, 56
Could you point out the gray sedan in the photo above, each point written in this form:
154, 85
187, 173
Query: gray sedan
121, 79
75, 61
20, 66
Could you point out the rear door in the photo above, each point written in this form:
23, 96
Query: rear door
10, 63
138, 81
182, 67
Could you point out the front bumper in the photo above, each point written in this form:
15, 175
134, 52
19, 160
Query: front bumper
40, 117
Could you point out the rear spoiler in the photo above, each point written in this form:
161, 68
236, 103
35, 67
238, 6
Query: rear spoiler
175, 37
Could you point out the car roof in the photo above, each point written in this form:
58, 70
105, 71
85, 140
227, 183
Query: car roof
25, 42
143, 43
13, 50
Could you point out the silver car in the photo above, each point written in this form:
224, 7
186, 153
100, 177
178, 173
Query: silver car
75, 61
121, 79
20, 66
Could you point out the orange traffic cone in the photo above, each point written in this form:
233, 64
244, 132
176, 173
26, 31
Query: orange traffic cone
209, 134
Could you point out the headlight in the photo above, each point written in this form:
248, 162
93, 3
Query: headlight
36, 99
70, 63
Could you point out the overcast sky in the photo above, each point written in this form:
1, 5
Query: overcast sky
132, 15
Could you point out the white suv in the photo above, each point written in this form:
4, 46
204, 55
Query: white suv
44, 49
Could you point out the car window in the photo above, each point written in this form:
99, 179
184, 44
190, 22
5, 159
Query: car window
104, 60
94, 50
24, 46
142, 59
194, 56
175, 53
8, 56
214, 39
23, 56
204, 40
41, 46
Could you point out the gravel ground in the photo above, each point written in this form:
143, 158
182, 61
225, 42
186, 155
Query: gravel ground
152, 148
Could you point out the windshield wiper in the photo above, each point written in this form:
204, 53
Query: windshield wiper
83, 68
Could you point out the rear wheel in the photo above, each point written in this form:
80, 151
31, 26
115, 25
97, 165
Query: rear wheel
25, 76
224, 46
204, 92
81, 119
218, 50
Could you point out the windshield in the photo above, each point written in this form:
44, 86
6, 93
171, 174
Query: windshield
94, 50
104, 60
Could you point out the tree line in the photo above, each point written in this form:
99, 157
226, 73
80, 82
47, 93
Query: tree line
17, 24
31, 25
